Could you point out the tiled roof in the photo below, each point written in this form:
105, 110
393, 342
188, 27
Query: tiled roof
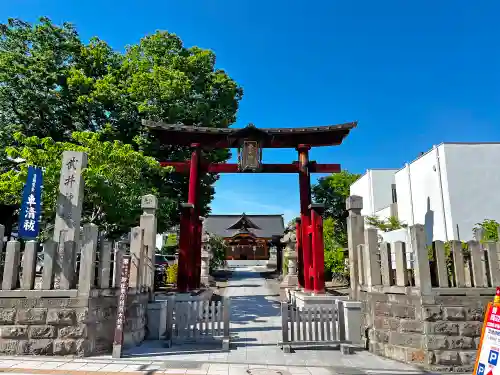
270, 225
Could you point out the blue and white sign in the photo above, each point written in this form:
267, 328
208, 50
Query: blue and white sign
480, 369
31, 207
493, 357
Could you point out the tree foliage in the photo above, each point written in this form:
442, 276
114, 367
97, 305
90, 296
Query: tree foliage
218, 248
113, 179
332, 191
490, 229
334, 253
385, 225
53, 84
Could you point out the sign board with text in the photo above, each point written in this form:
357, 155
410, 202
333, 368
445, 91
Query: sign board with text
31, 205
122, 303
487, 361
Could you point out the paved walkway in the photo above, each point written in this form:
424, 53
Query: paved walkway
255, 327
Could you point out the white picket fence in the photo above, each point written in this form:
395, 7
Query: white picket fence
198, 322
320, 326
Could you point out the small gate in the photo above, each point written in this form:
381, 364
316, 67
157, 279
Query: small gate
332, 326
198, 322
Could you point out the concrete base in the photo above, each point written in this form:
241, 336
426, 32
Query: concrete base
207, 280
290, 282
302, 299
157, 320
200, 295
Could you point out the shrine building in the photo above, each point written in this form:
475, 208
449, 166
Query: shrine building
248, 237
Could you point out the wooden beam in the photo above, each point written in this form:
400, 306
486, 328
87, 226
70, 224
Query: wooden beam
183, 167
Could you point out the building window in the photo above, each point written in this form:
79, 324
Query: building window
394, 195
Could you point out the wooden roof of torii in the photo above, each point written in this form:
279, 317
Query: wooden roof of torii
183, 135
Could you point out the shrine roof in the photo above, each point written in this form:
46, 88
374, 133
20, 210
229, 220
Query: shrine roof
220, 225
184, 135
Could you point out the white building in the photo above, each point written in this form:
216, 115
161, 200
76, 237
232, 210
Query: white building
449, 189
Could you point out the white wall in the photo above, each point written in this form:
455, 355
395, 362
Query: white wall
362, 188
384, 213
466, 193
419, 196
473, 183
375, 189
382, 180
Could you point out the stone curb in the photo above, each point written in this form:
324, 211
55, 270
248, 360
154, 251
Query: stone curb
31, 371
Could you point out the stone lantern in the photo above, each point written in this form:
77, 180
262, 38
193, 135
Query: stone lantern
206, 255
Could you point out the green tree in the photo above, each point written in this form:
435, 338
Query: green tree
490, 228
334, 253
332, 191
113, 180
52, 84
171, 245
385, 225
218, 248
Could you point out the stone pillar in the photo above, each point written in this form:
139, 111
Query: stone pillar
11, 269
68, 217
291, 280
70, 199
136, 257
206, 254
355, 235
421, 268
87, 262
148, 224
29, 265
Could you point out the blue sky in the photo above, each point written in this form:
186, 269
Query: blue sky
413, 73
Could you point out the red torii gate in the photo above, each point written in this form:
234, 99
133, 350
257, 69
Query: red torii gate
250, 141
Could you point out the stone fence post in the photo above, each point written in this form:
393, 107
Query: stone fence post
421, 267
355, 235
87, 262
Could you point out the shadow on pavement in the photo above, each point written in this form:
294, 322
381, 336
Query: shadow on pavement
246, 309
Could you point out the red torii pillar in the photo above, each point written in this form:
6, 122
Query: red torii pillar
305, 201
318, 248
300, 262
190, 229
309, 231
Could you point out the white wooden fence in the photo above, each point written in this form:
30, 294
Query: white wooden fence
320, 326
198, 322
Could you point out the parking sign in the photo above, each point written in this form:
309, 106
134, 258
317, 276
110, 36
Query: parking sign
489, 347
493, 357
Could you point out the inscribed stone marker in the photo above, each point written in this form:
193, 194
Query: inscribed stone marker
70, 199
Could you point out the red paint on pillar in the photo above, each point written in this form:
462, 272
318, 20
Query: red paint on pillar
194, 175
184, 253
318, 251
305, 201
197, 247
300, 269
194, 184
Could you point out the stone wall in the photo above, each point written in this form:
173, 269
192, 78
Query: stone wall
67, 326
438, 333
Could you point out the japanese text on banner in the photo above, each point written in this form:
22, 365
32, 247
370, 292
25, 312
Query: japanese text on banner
29, 215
